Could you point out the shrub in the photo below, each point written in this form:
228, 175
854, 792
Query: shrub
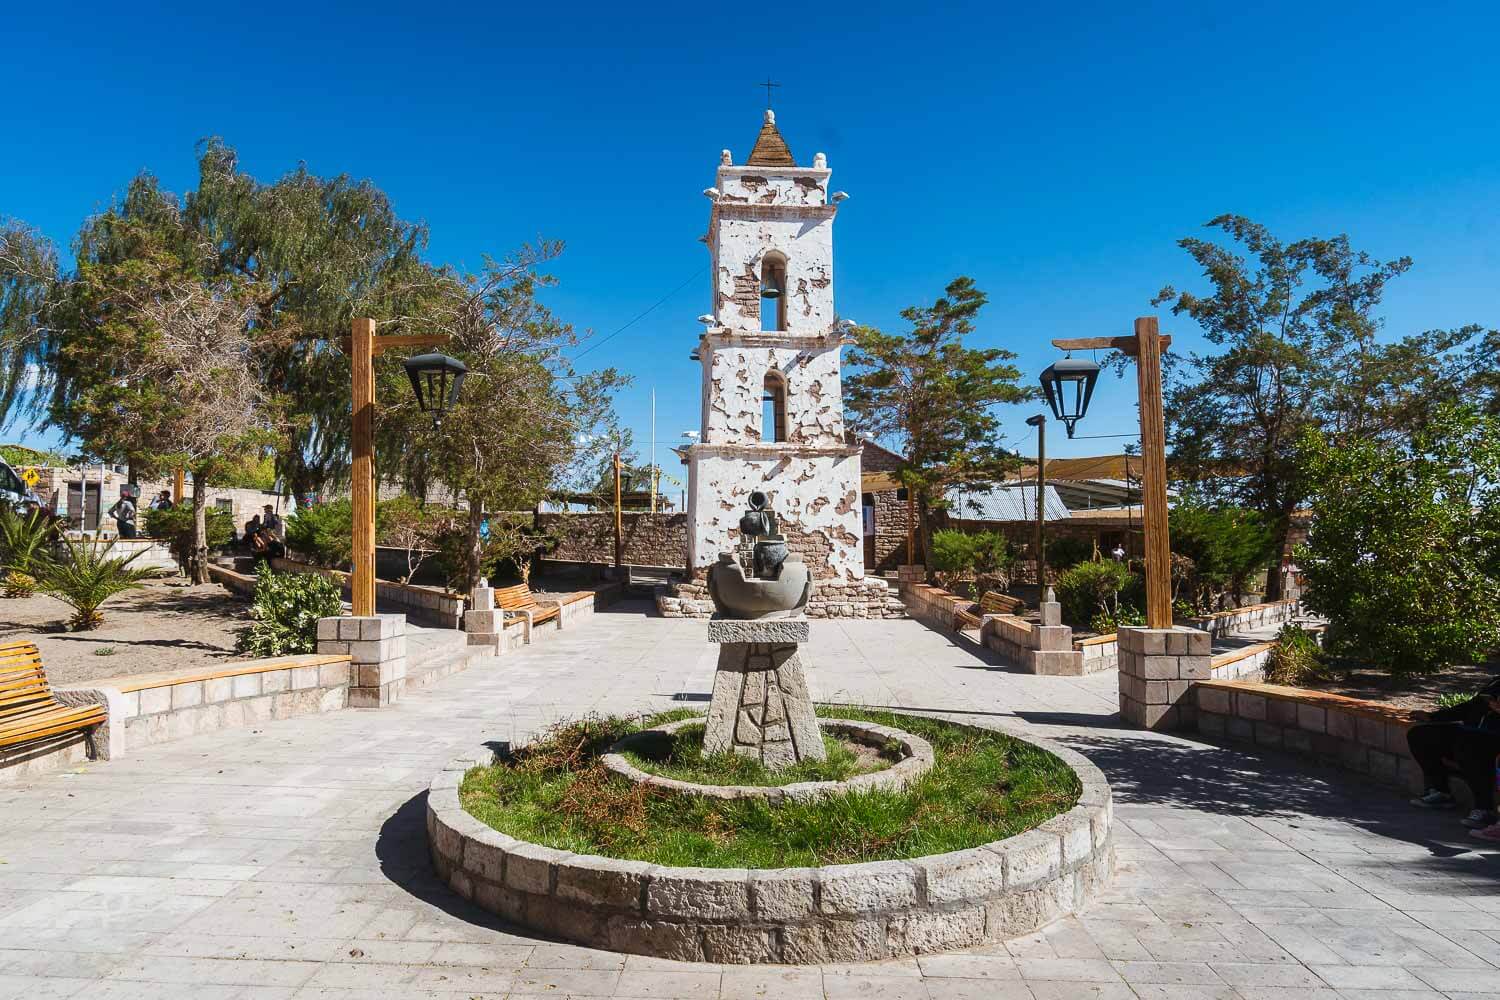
323, 533
1066, 552
1296, 658
87, 577
1452, 699
993, 554
286, 608
1111, 621
175, 527
952, 553
18, 584
1089, 589
23, 539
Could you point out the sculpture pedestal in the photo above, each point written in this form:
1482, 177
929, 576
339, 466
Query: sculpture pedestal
760, 707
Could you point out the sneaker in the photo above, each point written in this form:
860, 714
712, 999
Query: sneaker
1487, 833
1434, 798
1478, 818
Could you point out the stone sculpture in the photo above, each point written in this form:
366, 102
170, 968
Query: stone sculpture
760, 706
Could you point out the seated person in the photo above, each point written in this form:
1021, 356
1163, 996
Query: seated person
1466, 738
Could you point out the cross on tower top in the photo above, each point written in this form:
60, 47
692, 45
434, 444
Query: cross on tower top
768, 85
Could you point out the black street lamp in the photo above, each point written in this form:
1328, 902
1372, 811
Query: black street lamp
437, 381
1069, 384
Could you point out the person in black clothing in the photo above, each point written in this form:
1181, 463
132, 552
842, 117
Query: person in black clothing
1465, 738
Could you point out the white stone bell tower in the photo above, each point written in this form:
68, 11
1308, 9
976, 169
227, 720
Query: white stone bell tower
772, 409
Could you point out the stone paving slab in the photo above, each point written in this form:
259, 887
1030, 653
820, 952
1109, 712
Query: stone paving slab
289, 861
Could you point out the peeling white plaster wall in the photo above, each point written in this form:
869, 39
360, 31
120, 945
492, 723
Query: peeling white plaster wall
812, 479
813, 494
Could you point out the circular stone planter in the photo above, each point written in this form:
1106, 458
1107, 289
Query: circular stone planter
834, 913
916, 760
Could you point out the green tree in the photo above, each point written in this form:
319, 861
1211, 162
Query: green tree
1403, 555
1298, 330
935, 396
1227, 546
526, 417
156, 360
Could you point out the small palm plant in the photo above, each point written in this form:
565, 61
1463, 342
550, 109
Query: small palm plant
87, 578
23, 540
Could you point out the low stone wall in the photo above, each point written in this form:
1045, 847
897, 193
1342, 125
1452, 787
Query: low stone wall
917, 759
1251, 616
1245, 663
932, 606
143, 709
155, 708
1348, 733
1042, 649
148, 553
834, 913
871, 597
430, 606
1100, 652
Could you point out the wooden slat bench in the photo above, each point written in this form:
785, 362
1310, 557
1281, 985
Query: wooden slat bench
992, 603
518, 601
28, 710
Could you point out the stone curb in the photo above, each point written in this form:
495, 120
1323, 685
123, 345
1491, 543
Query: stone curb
834, 913
917, 760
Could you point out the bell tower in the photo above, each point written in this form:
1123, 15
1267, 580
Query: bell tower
772, 409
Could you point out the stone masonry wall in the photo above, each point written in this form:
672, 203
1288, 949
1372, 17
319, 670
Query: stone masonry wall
647, 539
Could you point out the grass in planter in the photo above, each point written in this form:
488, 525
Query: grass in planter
684, 760
984, 786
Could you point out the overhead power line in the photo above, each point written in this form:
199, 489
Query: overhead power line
600, 343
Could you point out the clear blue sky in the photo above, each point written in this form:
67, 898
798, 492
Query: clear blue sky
1055, 156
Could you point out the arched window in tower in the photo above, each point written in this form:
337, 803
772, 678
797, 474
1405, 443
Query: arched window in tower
773, 292
773, 408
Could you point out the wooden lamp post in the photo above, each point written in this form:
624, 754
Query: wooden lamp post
1146, 346
363, 348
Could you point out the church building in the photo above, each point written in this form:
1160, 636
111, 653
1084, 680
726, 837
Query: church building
772, 408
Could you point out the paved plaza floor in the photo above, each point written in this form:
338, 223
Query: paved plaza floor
290, 860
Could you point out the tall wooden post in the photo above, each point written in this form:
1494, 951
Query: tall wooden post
362, 472
1154, 475
619, 550
1041, 508
178, 482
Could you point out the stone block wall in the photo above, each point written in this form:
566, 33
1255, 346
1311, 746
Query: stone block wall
1251, 616
376, 647
1158, 667
1348, 733
647, 539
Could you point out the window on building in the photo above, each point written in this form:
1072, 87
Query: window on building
773, 292
773, 408
223, 503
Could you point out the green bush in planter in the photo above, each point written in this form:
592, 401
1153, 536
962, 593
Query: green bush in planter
1090, 589
286, 608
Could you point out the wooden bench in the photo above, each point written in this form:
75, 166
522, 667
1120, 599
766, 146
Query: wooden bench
992, 603
519, 601
28, 710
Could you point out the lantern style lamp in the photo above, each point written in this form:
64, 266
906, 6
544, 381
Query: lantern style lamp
1069, 384
437, 381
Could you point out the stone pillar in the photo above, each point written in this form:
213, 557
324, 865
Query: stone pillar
483, 623
376, 645
760, 707
1157, 669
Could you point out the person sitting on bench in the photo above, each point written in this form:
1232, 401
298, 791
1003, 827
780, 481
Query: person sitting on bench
1466, 738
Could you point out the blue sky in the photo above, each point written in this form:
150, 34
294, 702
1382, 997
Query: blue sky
1055, 155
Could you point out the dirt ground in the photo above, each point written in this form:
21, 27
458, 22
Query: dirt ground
167, 625
1412, 692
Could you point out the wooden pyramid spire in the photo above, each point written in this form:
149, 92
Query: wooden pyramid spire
770, 148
